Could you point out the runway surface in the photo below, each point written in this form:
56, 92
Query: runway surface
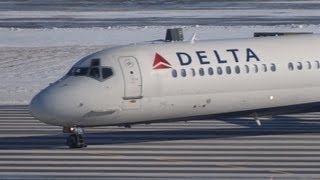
286, 147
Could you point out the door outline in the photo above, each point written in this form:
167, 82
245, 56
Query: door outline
132, 77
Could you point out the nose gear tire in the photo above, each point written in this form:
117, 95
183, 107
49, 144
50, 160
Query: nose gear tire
75, 141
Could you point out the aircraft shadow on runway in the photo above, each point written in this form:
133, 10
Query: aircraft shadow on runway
280, 125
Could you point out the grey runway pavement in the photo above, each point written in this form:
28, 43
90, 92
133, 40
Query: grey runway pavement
285, 147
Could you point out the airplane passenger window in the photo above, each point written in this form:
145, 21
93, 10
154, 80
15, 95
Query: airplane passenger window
183, 73
174, 73
106, 72
94, 72
290, 66
201, 72
273, 67
309, 64
219, 70
210, 71
264, 67
256, 68
237, 69
247, 69
193, 72
299, 66
228, 70
318, 64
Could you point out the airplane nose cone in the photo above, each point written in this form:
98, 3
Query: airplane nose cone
39, 110
63, 103
58, 105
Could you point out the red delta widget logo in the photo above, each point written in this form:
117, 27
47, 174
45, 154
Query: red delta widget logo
160, 63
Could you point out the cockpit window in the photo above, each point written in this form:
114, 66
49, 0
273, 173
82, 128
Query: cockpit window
78, 71
106, 72
94, 72
95, 62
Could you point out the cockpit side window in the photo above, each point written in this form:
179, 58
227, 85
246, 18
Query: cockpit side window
106, 73
78, 71
94, 72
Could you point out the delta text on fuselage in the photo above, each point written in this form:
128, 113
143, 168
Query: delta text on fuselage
205, 57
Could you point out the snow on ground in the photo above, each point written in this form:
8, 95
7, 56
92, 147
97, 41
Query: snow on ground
16, 37
31, 59
25, 71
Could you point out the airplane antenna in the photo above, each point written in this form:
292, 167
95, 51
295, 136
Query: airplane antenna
193, 38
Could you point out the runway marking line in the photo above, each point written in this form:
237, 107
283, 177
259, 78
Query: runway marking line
232, 166
273, 171
185, 162
109, 154
181, 161
281, 172
124, 156
170, 160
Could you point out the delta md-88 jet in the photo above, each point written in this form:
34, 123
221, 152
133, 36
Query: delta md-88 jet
184, 80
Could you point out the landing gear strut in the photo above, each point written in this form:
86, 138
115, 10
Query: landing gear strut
256, 118
76, 138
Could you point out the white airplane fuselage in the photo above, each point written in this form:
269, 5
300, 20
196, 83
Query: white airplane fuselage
178, 80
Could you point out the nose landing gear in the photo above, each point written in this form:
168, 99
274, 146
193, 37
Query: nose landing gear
76, 138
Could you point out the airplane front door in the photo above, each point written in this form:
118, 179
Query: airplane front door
132, 78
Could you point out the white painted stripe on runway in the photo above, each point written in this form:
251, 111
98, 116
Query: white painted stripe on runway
166, 162
159, 175
142, 156
15, 117
115, 157
22, 124
216, 149
171, 169
305, 146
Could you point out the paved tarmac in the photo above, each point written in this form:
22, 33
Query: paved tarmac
285, 147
